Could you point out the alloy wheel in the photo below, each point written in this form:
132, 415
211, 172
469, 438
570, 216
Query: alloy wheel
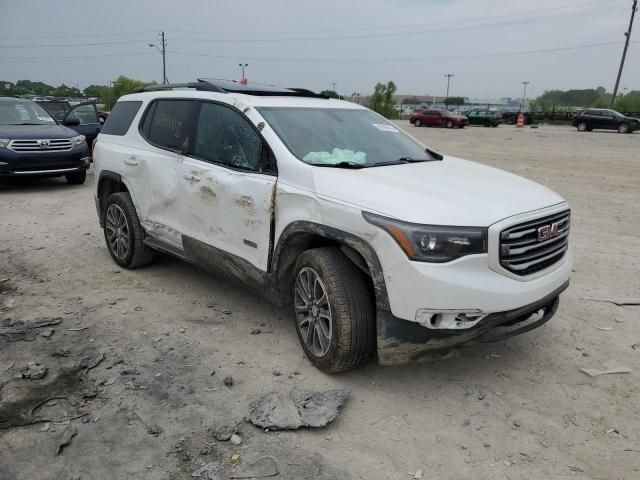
117, 230
313, 312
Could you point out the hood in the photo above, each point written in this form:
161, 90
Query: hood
35, 132
448, 192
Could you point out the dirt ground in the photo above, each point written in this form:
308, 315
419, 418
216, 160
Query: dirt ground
170, 334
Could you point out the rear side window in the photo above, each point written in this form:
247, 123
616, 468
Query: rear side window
120, 118
170, 124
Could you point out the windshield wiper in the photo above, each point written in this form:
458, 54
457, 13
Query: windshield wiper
346, 165
27, 123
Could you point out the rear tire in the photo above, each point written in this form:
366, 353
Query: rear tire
333, 310
76, 178
124, 234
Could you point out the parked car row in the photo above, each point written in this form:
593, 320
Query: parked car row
445, 118
585, 120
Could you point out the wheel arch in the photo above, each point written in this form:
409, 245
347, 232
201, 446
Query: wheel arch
108, 183
301, 236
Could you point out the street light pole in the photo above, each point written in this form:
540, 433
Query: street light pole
243, 66
627, 34
448, 75
524, 96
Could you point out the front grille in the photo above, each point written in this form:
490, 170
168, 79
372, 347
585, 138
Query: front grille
45, 145
525, 249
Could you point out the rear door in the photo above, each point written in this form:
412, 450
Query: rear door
594, 119
154, 168
226, 188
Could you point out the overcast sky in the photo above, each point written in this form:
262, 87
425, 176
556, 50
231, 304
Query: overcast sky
312, 43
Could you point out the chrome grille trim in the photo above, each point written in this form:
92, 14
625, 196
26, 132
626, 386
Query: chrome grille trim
34, 146
521, 251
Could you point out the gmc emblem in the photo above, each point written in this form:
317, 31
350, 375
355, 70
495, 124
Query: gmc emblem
548, 231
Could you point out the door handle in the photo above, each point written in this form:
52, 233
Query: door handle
133, 161
192, 178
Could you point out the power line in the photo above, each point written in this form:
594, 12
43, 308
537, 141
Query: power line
49, 45
510, 23
405, 26
400, 60
89, 35
71, 58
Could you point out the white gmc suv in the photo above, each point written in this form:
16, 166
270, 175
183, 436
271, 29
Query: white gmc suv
377, 242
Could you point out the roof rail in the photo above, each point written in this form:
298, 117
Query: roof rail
199, 85
231, 86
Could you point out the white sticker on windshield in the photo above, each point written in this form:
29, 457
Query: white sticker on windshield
385, 127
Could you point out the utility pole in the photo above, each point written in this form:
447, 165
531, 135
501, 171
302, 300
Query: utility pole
627, 34
524, 96
163, 52
334, 86
164, 58
448, 75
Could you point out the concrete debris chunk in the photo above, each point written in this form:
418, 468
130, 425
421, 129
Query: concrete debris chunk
223, 433
33, 371
26, 330
208, 472
263, 467
276, 411
594, 372
65, 438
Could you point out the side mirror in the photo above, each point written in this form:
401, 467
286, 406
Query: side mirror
71, 122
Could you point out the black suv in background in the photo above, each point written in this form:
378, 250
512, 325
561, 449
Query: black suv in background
34, 144
604, 119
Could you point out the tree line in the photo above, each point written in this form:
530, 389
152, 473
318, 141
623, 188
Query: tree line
106, 95
381, 100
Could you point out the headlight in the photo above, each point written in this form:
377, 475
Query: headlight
430, 243
78, 140
4, 142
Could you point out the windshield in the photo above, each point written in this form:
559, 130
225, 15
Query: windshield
331, 136
24, 113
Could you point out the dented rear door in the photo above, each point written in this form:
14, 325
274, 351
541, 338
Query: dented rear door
226, 201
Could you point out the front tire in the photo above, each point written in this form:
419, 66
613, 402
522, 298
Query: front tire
417, 123
623, 128
76, 178
334, 310
582, 127
124, 234
449, 124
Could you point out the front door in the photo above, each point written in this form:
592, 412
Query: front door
90, 124
227, 189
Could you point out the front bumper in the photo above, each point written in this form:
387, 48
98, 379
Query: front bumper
44, 164
401, 341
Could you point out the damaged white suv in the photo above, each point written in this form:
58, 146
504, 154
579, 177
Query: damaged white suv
379, 244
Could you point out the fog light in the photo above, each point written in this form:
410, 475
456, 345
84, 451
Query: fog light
449, 319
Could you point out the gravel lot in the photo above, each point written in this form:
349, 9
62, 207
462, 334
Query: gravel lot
521, 409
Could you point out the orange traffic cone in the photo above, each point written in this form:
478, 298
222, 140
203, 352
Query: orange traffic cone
520, 122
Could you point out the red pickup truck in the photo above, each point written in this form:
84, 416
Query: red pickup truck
438, 118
